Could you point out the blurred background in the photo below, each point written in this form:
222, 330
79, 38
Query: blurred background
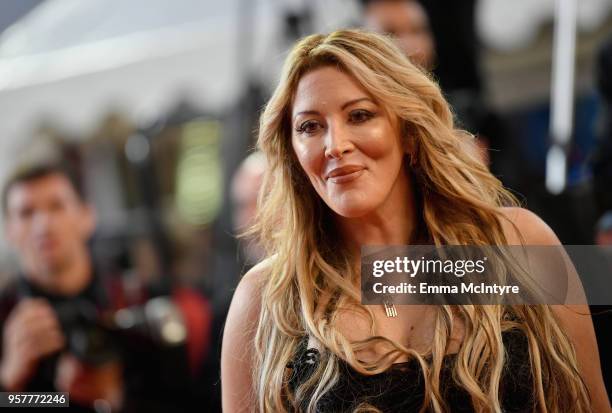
155, 104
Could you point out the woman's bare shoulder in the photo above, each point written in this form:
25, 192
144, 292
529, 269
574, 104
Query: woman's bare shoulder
257, 275
523, 227
238, 339
248, 292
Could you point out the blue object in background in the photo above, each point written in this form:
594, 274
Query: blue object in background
531, 128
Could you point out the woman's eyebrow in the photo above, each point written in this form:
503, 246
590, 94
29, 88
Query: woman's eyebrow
306, 112
344, 106
352, 102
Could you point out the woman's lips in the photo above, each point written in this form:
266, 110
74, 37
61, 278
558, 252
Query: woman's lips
346, 177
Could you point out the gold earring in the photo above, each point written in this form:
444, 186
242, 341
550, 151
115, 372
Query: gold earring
411, 160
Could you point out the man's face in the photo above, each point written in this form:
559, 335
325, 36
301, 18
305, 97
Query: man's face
47, 223
408, 23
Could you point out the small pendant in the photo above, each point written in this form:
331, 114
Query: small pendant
390, 309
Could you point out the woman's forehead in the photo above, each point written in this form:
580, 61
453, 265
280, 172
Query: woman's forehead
326, 86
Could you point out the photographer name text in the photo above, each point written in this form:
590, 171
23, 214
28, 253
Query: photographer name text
425, 288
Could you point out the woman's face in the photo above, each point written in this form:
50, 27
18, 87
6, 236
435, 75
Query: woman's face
348, 145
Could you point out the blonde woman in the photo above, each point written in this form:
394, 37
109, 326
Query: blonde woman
361, 150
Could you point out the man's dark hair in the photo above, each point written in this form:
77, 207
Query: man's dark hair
29, 173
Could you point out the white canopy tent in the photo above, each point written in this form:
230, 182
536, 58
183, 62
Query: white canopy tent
70, 60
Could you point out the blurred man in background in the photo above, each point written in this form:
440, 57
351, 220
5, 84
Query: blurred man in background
245, 188
48, 224
67, 328
408, 23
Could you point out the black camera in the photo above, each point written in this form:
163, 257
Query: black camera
95, 336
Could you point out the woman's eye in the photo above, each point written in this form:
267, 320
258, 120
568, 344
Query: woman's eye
309, 127
358, 116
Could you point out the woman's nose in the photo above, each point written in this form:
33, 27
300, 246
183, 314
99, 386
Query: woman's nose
338, 142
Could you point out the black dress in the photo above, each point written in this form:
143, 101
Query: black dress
401, 387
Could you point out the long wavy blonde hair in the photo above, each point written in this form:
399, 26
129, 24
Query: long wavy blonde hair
458, 202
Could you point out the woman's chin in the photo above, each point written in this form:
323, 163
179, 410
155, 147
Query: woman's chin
352, 211
352, 203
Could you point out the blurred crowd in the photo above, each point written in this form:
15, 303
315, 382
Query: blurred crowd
124, 243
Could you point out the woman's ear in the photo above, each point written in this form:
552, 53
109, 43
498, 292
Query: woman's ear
409, 147
409, 140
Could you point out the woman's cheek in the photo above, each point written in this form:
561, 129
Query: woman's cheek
310, 156
376, 141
